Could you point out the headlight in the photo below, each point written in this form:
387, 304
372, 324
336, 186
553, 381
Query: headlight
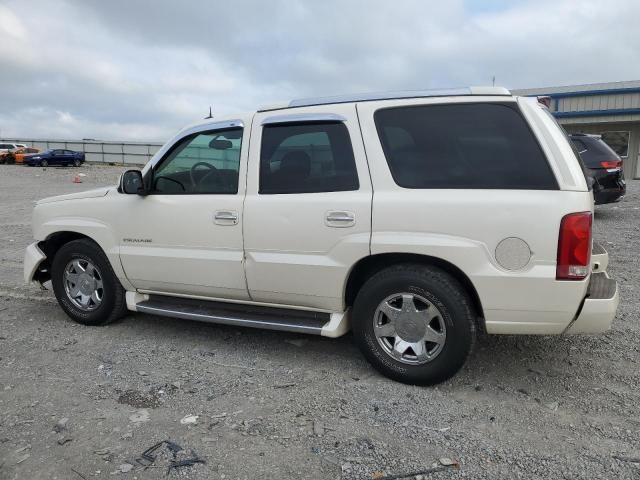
36, 158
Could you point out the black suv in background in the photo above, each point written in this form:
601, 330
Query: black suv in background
603, 165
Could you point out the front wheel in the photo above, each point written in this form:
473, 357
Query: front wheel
85, 285
44, 163
76, 162
415, 324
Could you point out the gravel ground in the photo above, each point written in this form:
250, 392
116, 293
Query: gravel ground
80, 402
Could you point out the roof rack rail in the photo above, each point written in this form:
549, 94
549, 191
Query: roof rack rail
368, 97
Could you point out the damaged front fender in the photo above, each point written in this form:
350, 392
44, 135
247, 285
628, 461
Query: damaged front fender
35, 267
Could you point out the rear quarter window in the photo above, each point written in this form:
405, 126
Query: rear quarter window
473, 146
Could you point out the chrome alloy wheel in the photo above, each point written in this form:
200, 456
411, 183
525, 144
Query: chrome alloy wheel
409, 328
83, 284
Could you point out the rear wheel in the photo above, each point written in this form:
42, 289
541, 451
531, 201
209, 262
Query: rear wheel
85, 285
415, 324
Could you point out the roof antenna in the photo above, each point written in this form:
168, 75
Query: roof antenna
210, 114
494, 80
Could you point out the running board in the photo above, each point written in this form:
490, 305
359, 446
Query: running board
243, 315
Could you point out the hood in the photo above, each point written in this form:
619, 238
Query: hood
98, 192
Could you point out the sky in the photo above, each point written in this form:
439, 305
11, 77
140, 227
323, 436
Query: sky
141, 70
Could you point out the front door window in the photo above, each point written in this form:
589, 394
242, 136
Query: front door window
202, 163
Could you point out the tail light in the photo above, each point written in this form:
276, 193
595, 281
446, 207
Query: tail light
574, 246
611, 164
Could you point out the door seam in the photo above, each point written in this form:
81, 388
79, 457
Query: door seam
244, 200
366, 158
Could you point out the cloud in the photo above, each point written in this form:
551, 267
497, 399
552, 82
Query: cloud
141, 70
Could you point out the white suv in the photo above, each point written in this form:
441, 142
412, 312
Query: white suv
413, 219
9, 147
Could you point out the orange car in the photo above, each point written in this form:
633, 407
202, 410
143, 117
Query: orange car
19, 155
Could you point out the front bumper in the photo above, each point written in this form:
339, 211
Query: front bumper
33, 257
600, 304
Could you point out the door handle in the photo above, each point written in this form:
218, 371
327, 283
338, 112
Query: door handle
225, 218
340, 219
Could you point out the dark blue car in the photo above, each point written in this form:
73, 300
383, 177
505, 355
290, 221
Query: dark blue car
55, 157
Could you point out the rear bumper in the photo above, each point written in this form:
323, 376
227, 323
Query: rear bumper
33, 257
609, 195
601, 302
599, 258
609, 185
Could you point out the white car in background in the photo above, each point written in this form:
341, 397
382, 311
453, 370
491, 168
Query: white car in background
413, 219
6, 152
9, 147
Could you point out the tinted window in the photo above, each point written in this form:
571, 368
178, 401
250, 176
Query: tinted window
307, 158
206, 162
579, 145
462, 146
593, 150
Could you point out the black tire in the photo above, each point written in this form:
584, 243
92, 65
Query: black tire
445, 293
113, 305
44, 163
77, 162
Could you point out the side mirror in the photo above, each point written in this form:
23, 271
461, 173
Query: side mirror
235, 134
131, 183
219, 144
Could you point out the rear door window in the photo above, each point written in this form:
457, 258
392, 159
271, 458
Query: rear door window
307, 158
469, 146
